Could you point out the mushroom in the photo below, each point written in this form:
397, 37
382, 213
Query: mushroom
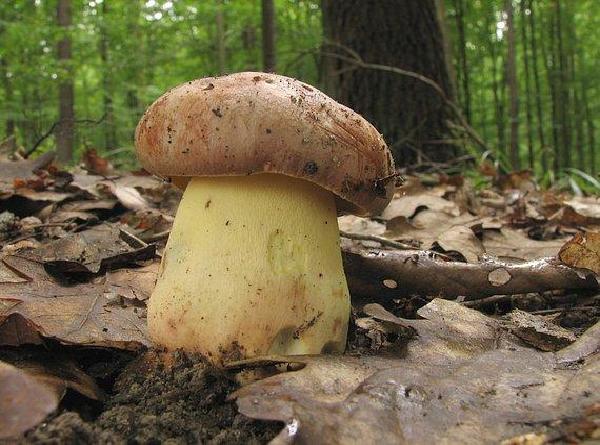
252, 265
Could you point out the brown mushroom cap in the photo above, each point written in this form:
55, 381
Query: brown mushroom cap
247, 123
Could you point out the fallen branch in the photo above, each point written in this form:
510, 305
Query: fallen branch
394, 274
383, 241
494, 299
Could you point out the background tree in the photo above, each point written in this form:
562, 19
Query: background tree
463, 81
220, 23
66, 99
124, 54
268, 35
9, 123
513, 86
110, 135
527, 92
399, 33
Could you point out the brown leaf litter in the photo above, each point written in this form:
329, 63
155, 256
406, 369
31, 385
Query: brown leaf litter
79, 260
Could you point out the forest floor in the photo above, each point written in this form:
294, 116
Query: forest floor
475, 320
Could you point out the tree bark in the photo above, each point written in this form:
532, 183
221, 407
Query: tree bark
110, 134
498, 101
249, 40
550, 64
268, 36
8, 105
590, 126
538, 91
9, 123
528, 111
220, 22
422, 273
66, 95
448, 52
464, 70
563, 89
134, 75
578, 111
513, 87
401, 33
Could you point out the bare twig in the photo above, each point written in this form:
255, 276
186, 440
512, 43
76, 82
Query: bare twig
354, 58
488, 300
383, 241
52, 128
131, 239
157, 236
563, 309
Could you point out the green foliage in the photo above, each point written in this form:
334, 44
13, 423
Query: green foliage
486, 51
152, 45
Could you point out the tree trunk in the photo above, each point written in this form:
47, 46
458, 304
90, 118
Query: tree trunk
400, 33
268, 36
65, 130
528, 114
443, 21
563, 90
134, 75
110, 134
462, 47
590, 127
9, 106
550, 62
220, 22
498, 101
538, 91
578, 112
513, 87
249, 45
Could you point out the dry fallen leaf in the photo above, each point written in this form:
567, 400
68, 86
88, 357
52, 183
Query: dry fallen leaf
82, 206
588, 207
461, 239
86, 183
132, 284
427, 226
463, 379
141, 182
538, 332
356, 224
91, 251
96, 164
24, 400
407, 206
523, 181
21, 170
32, 383
508, 242
582, 251
80, 313
129, 197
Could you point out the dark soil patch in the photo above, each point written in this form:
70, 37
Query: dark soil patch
161, 398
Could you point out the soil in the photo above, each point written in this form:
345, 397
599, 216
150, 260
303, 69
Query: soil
177, 398
158, 398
